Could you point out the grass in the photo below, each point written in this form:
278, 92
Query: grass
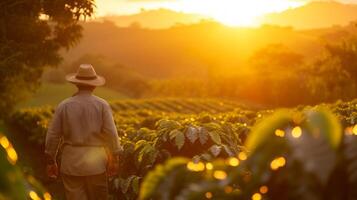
52, 94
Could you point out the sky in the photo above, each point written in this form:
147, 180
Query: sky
230, 12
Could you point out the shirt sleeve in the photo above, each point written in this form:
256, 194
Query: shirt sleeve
54, 134
110, 130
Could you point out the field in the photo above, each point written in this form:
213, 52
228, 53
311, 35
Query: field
220, 148
52, 94
218, 99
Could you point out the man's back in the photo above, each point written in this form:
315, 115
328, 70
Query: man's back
83, 119
85, 124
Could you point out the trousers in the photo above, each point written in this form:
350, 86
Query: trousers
93, 187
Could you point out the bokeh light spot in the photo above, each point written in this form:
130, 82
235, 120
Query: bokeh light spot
234, 162
242, 156
256, 196
228, 189
354, 130
277, 163
47, 196
196, 167
296, 132
209, 166
219, 174
4, 142
279, 133
263, 189
209, 195
33, 195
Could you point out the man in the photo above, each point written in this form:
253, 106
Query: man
84, 125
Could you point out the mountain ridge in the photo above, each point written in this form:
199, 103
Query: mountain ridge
160, 18
319, 14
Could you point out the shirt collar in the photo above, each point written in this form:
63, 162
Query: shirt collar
84, 92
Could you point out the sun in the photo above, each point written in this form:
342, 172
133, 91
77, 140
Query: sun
228, 12
236, 12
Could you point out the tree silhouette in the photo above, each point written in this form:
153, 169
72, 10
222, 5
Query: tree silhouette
31, 34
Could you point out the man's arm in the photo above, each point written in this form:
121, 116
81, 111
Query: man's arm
112, 141
53, 137
111, 131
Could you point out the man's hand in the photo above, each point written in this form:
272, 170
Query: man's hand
52, 171
113, 165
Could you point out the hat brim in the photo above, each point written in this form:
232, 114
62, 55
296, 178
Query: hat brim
99, 81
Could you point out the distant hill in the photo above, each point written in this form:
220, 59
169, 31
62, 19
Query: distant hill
196, 50
155, 19
314, 15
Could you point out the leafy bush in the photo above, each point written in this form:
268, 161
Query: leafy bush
291, 155
214, 133
151, 133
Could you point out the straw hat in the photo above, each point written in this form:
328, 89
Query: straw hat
86, 75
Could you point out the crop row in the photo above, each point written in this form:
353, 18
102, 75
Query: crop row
153, 131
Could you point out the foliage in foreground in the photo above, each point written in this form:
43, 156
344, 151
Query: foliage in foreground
291, 155
13, 183
153, 131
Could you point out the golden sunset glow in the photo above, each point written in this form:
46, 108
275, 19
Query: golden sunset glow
237, 12
229, 12
178, 99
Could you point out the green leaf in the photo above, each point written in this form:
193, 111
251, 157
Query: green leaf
228, 150
135, 184
206, 157
192, 134
180, 140
215, 137
315, 148
150, 188
146, 156
139, 144
125, 183
325, 123
173, 134
315, 155
266, 128
212, 126
168, 124
215, 150
203, 135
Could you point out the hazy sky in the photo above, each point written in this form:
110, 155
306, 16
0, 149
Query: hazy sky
230, 12
132, 6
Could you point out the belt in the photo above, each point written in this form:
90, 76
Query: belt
83, 145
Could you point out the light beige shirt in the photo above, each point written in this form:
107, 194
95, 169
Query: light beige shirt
85, 124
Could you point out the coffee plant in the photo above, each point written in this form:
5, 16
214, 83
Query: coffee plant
290, 155
221, 150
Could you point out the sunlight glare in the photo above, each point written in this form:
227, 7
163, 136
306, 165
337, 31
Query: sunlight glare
235, 12
228, 12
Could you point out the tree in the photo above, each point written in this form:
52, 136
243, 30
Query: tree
334, 75
275, 58
276, 77
31, 34
346, 54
